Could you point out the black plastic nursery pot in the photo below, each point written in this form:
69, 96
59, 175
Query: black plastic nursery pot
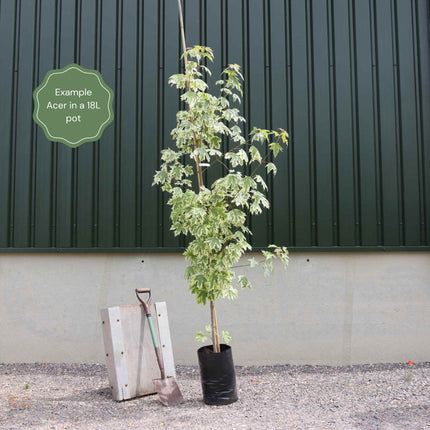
218, 375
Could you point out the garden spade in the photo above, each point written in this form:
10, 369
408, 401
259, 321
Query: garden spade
166, 387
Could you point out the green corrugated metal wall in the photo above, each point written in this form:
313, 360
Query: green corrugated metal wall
349, 79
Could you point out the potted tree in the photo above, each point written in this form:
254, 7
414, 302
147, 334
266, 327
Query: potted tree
213, 215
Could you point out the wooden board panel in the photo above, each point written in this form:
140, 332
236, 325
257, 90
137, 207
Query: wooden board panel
165, 340
130, 355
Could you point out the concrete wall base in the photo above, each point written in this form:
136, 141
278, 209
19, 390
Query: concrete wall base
327, 308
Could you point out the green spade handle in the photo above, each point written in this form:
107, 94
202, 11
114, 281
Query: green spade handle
146, 307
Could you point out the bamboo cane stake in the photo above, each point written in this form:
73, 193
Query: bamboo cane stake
215, 334
181, 24
184, 48
214, 321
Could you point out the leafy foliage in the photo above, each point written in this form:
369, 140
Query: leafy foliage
202, 337
215, 216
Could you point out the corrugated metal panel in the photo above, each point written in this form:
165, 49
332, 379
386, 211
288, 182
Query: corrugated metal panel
348, 79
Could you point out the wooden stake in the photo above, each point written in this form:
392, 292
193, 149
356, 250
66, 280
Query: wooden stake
215, 334
181, 23
184, 48
214, 321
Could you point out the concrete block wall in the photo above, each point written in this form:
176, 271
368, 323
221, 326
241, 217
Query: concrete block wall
327, 308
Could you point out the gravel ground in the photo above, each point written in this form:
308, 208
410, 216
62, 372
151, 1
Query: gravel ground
64, 396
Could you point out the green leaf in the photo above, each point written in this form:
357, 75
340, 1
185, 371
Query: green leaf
236, 217
202, 153
241, 199
243, 281
258, 135
200, 337
255, 154
235, 159
260, 180
237, 98
198, 85
270, 167
214, 152
168, 155
232, 180
177, 172
226, 336
206, 69
252, 262
177, 80
267, 269
230, 114
268, 255
231, 293
275, 147
249, 183
160, 177
281, 135
214, 243
200, 279
243, 155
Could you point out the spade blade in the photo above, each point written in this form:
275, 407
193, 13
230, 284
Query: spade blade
168, 391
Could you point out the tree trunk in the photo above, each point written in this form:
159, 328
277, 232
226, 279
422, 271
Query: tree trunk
215, 333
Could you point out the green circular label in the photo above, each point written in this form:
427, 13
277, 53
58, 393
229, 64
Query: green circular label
73, 105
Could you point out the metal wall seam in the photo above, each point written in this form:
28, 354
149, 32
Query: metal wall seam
422, 171
96, 153
333, 125
54, 146
290, 128
118, 124
36, 59
279, 116
398, 122
376, 108
75, 154
138, 125
15, 79
246, 100
86, 194
161, 52
311, 123
7, 44
354, 121
268, 111
160, 80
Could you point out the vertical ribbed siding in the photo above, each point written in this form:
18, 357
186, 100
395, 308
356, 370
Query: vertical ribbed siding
348, 79
422, 89
8, 32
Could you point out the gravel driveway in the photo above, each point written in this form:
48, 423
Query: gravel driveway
63, 396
